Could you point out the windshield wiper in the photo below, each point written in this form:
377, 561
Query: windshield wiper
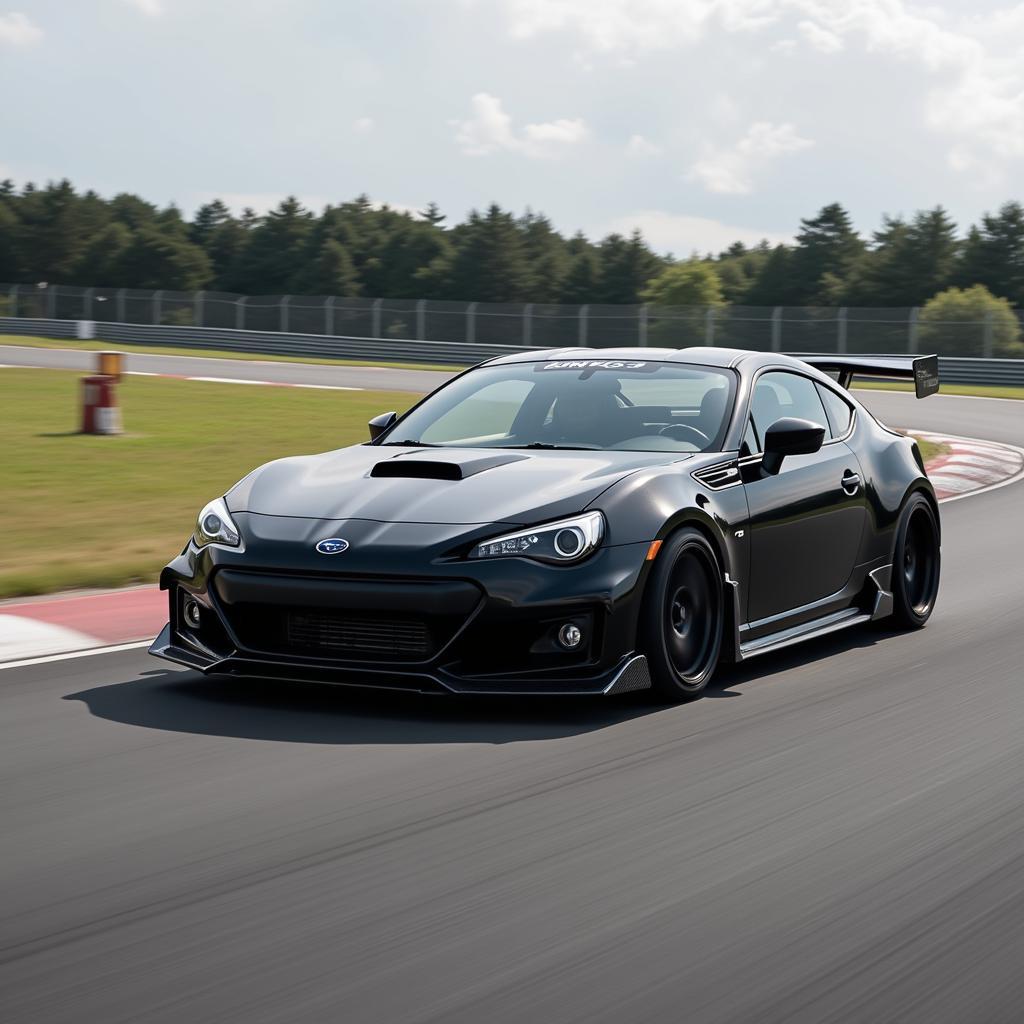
410, 444
556, 447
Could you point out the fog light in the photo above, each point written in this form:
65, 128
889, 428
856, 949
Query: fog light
570, 635
191, 613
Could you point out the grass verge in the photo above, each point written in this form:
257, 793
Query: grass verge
85, 511
931, 449
209, 353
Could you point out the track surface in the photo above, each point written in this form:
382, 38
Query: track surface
835, 833
367, 377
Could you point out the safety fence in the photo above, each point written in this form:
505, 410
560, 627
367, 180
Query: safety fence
953, 370
528, 325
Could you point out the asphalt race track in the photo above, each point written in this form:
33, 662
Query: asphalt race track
367, 377
835, 833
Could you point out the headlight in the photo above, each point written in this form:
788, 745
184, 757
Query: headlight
215, 526
568, 540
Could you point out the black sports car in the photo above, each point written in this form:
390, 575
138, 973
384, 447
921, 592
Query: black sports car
570, 521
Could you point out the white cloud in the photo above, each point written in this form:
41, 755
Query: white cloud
731, 170
821, 39
490, 130
639, 148
972, 59
362, 125
636, 25
19, 29
151, 8
682, 234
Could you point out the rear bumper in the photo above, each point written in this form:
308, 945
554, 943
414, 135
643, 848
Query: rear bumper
631, 673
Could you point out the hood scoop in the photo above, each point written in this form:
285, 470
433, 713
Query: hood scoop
437, 466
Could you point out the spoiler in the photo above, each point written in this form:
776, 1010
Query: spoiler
922, 370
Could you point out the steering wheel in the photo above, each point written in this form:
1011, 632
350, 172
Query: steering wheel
673, 430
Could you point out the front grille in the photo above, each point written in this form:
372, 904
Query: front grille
318, 630
343, 620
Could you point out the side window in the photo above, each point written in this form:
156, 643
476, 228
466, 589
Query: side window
838, 409
778, 394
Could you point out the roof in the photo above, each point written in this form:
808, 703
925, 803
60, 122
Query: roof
701, 355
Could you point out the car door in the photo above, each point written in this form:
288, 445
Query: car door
806, 521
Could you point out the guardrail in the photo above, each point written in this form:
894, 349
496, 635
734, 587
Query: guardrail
953, 370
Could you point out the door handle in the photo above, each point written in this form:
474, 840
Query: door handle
851, 482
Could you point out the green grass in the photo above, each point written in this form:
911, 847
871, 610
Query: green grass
931, 449
980, 390
206, 353
83, 511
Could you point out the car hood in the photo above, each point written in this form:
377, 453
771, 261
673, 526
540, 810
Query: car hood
433, 485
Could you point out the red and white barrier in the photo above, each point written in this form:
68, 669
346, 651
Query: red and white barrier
100, 412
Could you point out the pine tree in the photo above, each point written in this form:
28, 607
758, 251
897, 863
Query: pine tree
546, 255
490, 261
826, 244
626, 267
581, 279
773, 285
433, 215
331, 273
993, 255
209, 217
276, 248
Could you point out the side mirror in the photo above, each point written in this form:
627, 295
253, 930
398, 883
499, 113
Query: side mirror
385, 421
790, 436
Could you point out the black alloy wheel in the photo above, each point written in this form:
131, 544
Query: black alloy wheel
916, 563
683, 615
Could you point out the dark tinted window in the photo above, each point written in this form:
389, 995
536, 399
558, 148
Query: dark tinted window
602, 404
779, 394
839, 411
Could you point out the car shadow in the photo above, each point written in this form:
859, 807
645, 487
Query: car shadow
845, 641
182, 701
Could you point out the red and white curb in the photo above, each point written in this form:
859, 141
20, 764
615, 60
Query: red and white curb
35, 630
968, 465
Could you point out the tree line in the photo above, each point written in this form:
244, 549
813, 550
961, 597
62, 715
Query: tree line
57, 234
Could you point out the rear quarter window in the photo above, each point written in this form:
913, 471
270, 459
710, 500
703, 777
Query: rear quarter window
838, 410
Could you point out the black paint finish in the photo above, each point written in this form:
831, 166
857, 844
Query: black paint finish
404, 605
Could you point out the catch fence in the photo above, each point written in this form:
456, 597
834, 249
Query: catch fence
526, 325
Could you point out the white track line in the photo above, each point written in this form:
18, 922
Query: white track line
46, 658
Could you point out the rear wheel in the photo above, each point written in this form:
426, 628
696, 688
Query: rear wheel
682, 617
916, 562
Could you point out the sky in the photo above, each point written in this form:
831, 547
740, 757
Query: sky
702, 122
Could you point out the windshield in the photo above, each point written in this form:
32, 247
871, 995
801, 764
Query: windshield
584, 403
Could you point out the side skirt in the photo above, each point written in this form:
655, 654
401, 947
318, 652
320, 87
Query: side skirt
874, 603
805, 631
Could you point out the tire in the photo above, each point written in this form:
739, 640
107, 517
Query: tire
682, 617
915, 565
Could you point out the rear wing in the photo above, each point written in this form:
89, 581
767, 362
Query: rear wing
922, 370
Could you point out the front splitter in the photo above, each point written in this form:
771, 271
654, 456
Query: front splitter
632, 673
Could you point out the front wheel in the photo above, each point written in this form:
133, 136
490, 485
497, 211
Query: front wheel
915, 567
682, 618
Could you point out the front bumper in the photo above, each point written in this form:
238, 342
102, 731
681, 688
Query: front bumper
402, 613
630, 674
